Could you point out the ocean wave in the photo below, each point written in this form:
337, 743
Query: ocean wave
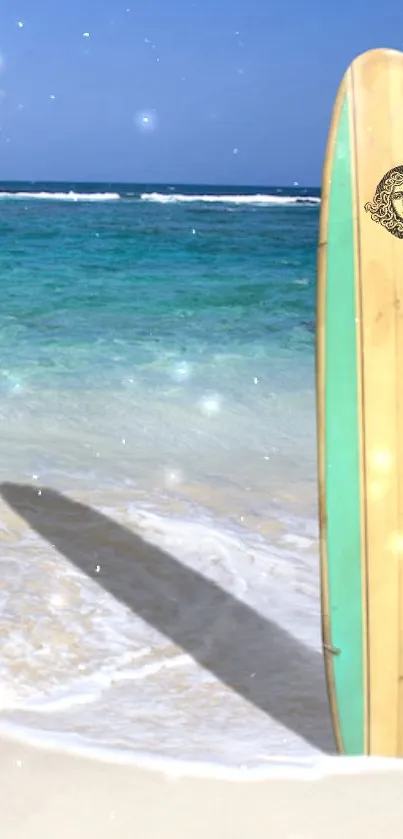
258, 199
61, 196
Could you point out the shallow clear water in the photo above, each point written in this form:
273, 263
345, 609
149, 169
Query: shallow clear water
157, 367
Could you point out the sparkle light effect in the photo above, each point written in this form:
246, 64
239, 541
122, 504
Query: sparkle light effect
182, 372
57, 600
210, 404
395, 542
376, 490
173, 477
146, 121
381, 459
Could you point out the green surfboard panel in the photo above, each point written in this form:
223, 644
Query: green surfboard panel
342, 450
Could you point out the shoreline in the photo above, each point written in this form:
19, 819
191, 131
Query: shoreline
45, 792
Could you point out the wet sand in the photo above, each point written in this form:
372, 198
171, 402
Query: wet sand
44, 793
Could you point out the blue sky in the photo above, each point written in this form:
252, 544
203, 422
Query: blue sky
191, 91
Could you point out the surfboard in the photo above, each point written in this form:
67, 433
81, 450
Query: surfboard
359, 377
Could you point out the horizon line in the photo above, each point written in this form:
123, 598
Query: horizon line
159, 183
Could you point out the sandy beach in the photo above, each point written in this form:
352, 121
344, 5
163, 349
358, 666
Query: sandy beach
45, 793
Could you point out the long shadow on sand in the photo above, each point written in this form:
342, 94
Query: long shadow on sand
252, 655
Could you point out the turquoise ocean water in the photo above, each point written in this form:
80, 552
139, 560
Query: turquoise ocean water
157, 366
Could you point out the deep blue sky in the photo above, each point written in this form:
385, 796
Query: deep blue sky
235, 91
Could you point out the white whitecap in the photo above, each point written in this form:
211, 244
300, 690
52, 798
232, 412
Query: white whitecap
257, 199
61, 196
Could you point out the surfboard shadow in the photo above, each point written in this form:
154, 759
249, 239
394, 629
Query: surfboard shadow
250, 654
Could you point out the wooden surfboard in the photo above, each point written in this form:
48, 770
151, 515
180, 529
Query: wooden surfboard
360, 406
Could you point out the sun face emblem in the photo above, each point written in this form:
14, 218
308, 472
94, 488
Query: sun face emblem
386, 207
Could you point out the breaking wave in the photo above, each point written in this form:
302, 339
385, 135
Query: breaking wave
258, 199
61, 196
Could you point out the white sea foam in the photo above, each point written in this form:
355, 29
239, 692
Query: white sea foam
61, 196
80, 658
258, 199
162, 198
